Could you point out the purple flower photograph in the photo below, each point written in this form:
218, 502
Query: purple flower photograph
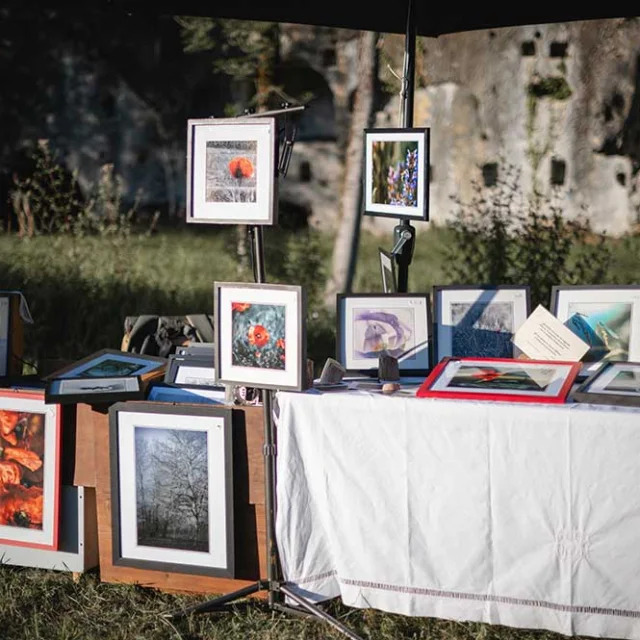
395, 173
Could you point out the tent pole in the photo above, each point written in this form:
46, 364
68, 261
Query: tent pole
404, 234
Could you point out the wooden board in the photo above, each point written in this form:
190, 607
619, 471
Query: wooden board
249, 513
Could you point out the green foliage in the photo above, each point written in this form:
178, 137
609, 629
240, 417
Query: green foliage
555, 87
502, 237
49, 200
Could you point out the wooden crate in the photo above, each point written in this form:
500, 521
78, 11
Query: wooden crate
92, 443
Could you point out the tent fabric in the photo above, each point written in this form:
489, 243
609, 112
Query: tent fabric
432, 19
523, 515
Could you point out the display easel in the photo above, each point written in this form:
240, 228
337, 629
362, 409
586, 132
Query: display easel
274, 586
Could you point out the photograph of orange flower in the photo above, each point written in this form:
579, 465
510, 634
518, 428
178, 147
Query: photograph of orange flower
259, 338
28, 471
231, 171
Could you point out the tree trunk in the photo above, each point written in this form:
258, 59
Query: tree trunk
347, 235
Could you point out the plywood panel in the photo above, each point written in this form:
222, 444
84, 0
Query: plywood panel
249, 515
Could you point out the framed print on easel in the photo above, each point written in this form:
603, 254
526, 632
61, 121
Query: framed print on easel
231, 168
388, 271
606, 317
478, 320
396, 173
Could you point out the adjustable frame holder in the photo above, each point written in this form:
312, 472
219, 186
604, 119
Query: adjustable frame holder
275, 587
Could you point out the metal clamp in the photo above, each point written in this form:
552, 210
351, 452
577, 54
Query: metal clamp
405, 236
269, 450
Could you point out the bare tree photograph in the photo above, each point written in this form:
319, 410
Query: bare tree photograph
482, 329
172, 500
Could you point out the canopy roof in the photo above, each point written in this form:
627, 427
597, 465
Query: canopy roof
432, 18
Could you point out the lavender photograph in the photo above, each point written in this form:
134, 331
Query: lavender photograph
396, 167
482, 329
172, 500
231, 171
383, 331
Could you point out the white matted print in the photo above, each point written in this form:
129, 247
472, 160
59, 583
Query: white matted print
607, 318
231, 173
171, 488
478, 322
4, 335
370, 325
396, 173
260, 335
619, 379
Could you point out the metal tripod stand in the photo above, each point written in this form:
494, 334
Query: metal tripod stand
276, 589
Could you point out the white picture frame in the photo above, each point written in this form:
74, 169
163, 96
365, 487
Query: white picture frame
596, 311
231, 171
397, 324
260, 335
147, 441
396, 173
30, 437
478, 321
387, 271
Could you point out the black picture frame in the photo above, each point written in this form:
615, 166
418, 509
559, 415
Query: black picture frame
171, 412
423, 136
405, 371
62, 373
5, 378
199, 361
389, 281
136, 391
583, 395
437, 309
592, 367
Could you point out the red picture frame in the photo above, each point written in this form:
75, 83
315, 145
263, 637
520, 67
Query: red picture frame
557, 394
30, 441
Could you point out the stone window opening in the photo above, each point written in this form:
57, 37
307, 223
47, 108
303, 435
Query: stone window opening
528, 48
621, 177
558, 49
490, 174
558, 172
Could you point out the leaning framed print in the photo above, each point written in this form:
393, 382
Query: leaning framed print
260, 335
191, 371
231, 171
606, 317
478, 321
94, 390
614, 383
172, 487
500, 379
397, 324
30, 435
11, 335
396, 173
388, 271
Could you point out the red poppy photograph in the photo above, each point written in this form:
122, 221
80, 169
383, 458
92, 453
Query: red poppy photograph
231, 171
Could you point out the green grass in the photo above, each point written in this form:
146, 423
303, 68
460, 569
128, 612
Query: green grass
49, 605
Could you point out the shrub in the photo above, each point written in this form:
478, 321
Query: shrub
503, 237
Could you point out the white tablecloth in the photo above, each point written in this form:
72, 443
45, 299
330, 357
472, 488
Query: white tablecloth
525, 515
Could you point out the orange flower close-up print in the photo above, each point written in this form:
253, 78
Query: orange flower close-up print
241, 168
231, 171
21, 469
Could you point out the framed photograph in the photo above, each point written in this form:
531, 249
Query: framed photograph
398, 324
606, 317
396, 173
163, 392
191, 371
231, 171
94, 390
5, 333
11, 335
172, 487
30, 433
500, 379
260, 335
614, 383
478, 321
388, 271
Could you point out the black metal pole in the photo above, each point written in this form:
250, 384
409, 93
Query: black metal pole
405, 229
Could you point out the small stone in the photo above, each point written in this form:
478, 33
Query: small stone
390, 387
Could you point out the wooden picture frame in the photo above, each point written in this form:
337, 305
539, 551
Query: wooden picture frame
180, 455
611, 385
396, 172
481, 337
30, 439
260, 335
231, 171
500, 379
405, 326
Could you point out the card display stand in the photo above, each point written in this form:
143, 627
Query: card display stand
93, 465
78, 543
